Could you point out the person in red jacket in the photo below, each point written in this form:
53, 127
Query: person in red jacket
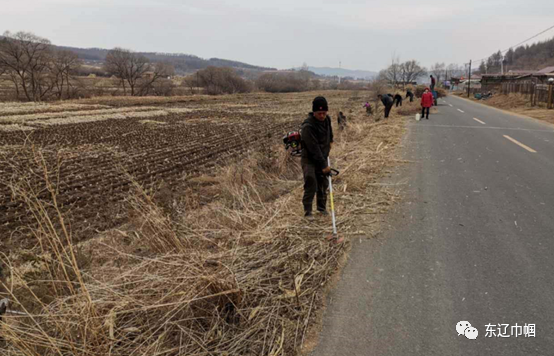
426, 103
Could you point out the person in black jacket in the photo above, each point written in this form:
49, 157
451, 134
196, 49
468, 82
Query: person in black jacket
317, 139
341, 120
397, 99
387, 102
410, 95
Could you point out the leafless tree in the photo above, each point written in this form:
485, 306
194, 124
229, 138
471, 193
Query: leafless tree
393, 72
192, 83
64, 65
27, 59
455, 70
217, 80
129, 67
156, 81
315, 84
285, 82
482, 67
209, 78
410, 71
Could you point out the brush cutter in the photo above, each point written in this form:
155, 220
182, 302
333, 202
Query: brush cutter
335, 237
293, 141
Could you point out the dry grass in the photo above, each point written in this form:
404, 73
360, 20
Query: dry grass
17, 108
133, 101
221, 265
520, 104
91, 115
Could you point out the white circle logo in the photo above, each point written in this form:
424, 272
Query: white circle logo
462, 326
465, 328
471, 333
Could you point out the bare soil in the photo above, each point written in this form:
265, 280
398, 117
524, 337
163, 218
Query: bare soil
200, 246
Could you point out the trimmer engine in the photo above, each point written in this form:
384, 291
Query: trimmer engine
293, 140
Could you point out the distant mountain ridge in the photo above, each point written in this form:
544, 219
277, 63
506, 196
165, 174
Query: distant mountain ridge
343, 72
183, 63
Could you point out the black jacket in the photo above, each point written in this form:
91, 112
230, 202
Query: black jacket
316, 140
387, 100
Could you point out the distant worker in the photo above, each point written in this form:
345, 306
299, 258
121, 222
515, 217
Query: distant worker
317, 140
368, 108
432, 83
398, 99
387, 102
426, 103
341, 120
410, 95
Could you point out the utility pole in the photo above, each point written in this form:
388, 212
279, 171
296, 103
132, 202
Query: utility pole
469, 79
339, 71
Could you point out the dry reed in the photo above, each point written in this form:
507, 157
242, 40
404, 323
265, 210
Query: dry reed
236, 271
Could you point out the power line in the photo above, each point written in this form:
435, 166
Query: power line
530, 38
519, 44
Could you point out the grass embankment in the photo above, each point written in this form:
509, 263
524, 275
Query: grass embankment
223, 264
519, 104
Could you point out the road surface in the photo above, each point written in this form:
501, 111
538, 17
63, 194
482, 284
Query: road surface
473, 240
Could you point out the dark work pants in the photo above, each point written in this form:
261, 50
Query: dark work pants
315, 184
423, 110
399, 102
387, 110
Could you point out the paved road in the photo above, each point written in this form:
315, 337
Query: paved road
472, 241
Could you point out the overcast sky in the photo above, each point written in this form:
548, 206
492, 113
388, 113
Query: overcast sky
286, 33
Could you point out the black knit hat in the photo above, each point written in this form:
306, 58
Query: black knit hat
320, 104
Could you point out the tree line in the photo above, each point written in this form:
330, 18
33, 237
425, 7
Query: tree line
528, 57
36, 71
402, 73
40, 71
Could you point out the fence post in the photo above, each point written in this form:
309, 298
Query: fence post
550, 93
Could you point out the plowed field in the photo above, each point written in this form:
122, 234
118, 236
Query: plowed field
91, 146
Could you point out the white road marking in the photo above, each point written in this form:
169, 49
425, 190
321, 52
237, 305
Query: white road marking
487, 128
451, 105
479, 121
460, 110
520, 144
